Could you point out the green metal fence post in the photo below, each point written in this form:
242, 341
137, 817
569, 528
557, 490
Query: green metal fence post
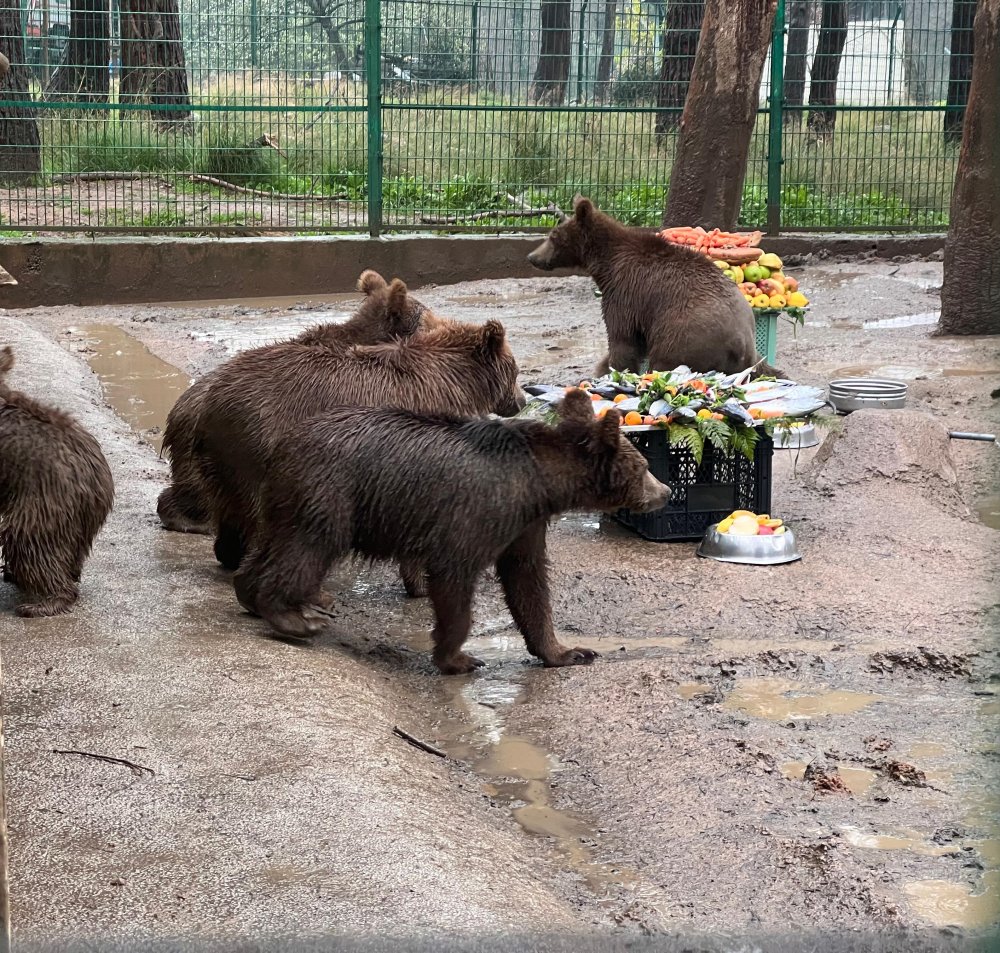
254, 35
474, 46
373, 80
579, 52
776, 121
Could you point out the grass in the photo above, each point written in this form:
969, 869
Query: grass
881, 169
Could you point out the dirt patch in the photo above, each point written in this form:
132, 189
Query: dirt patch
920, 660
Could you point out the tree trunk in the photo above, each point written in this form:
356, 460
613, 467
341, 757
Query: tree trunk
925, 30
970, 296
322, 13
959, 68
607, 52
552, 72
706, 182
20, 149
678, 46
826, 67
153, 59
799, 18
82, 73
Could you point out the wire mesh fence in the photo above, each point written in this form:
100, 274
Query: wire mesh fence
313, 116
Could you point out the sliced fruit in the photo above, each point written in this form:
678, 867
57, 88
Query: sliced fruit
763, 517
736, 513
770, 261
773, 523
724, 525
780, 531
744, 526
765, 531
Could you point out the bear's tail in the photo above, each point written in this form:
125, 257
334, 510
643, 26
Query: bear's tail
6, 360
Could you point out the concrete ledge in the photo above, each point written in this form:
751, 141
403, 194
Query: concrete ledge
135, 270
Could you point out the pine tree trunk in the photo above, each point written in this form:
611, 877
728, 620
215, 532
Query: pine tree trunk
20, 149
552, 71
706, 182
970, 296
796, 52
82, 73
607, 56
678, 47
826, 68
959, 67
153, 66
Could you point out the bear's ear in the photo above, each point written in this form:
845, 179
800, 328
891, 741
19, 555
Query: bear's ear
583, 209
607, 432
403, 319
576, 406
370, 281
494, 338
6, 359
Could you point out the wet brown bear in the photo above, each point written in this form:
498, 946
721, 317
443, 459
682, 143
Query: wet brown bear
55, 493
183, 506
259, 395
659, 301
456, 496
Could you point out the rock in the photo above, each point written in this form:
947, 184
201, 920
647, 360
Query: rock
888, 448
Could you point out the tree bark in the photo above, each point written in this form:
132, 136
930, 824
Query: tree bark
959, 68
678, 48
322, 12
799, 18
82, 73
607, 56
826, 67
153, 67
552, 71
970, 296
20, 149
706, 182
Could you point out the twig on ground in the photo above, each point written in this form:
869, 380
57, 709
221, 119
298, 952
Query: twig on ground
417, 743
136, 769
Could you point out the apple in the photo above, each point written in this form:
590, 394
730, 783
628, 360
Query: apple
753, 273
771, 287
748, 288
765, 530
791, 285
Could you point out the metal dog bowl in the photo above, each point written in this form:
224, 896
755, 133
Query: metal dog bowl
752, 550
795, 438
861, 393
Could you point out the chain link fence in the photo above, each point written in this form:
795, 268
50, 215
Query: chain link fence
316, 116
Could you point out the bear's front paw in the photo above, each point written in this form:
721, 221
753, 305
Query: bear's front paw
574, 656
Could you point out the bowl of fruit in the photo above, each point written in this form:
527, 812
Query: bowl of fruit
751, 538
795, 435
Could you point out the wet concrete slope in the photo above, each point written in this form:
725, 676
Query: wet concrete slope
169, 773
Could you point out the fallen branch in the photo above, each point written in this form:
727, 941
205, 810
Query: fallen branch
550, 209
260, 193
106, 177
480, 216
417, 743
136, 769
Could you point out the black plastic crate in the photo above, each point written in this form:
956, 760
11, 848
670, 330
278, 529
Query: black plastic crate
702, 494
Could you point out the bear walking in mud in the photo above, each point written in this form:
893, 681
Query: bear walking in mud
455, 496
259, 395
387, 312
660, 302
55, 493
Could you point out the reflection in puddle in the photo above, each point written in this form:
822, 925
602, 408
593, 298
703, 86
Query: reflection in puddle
909, 840
780, 700
927, 751
903, 321
988, 511
909, 372
949, 904
857, 780
137, 385
286, 302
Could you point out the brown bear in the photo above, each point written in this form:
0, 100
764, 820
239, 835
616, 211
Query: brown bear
258, 395
455, 496
386, 312
659, 301
55, 493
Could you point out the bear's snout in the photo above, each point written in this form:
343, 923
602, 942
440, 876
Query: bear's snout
542, 256
655, 495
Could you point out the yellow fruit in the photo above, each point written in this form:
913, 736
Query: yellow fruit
763, 517
724, 525
736, 513
738, 274
797, 299
721, 264
743, 526
778, 276
704, 413
780, 531
761, 301
770, 261
777, 301
749, 299
774, 524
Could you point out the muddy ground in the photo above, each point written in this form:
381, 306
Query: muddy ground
758, 749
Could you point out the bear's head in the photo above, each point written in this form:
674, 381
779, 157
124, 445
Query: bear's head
493, 354
566, 243
388, 311
606, 472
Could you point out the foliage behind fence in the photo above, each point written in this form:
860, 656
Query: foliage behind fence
326, 115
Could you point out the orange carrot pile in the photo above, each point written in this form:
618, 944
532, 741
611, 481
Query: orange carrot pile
700, 240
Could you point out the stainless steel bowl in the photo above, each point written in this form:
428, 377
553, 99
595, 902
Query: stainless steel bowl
752, 550
862, 393
795, 438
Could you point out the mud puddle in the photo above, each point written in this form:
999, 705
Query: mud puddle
988, 511
948, 904
137, 385
902, 321
777, 699
348, 300
908, 372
